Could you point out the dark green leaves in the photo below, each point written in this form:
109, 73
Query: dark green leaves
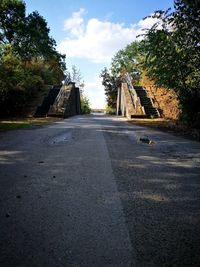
12, 19
127, 60
28, 57
110, 84
173, 54
29, 35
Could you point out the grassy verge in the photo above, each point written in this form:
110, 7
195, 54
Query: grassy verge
169, 126
21, 123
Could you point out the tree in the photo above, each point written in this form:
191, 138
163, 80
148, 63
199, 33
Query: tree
85, 105
127, 60
28, 58
110, 84
18, 85
29, 35
12, 21
36, 41
173, 55
77, 77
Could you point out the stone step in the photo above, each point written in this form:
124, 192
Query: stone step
142, 95
150, 110
146, 102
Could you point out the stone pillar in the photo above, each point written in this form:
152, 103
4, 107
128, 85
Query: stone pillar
119, 112
78, 101
128, 108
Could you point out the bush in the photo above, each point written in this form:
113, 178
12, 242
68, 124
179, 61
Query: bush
110, 110
28, 57
85, 105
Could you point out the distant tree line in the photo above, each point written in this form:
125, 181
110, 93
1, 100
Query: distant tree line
169, 54
28, 57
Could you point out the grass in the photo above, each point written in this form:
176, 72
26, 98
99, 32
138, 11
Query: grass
22, 123
174, 127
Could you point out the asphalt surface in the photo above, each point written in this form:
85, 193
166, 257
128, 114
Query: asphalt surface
87, 192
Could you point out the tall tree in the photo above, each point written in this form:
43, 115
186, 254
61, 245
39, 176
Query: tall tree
127, 60
36, 41
28, 56
77, 77
173, 55
12, 21
29, 35
110, 84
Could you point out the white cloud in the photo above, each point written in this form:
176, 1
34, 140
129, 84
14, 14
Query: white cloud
95, 92
147, 23
98, 40
75, 24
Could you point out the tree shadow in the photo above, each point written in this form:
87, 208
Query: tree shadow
159, 186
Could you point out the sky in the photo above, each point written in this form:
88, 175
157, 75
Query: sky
90, 32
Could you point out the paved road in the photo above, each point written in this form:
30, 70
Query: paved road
86, 192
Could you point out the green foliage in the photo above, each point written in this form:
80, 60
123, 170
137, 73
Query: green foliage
28, 58
4, 126
11, 70
127, 60
12, 21
29, 35
169, 54
85, 105
36, 41
17, 85
110, 110
173, 55
109, 82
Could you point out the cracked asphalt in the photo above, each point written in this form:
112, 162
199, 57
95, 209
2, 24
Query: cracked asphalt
87, 192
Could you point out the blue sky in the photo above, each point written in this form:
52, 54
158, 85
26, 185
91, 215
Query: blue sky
91, 32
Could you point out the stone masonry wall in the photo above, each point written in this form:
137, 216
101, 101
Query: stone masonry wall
68, 102
129, 105
164, 99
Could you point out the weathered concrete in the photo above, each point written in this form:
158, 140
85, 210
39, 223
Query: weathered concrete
88, 192
134, 102
68, 212
159, 186
125, 105
67, 102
